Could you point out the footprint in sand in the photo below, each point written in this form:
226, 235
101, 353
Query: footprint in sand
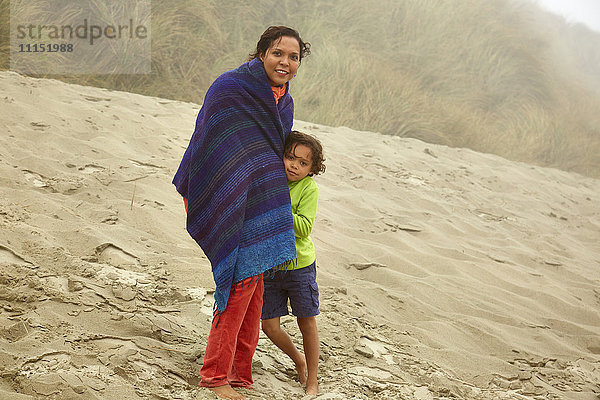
146, 165
91, 168
9, 257
375, 379
361, 266
96, 99
37, 180
111, 254
63, 185
39, 126
373, 348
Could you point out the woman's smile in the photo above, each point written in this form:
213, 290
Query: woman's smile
282, 60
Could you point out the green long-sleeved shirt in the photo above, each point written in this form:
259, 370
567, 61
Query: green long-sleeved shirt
305, 196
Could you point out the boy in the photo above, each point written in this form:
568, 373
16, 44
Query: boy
303, 158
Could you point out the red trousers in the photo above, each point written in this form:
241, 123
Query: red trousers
233, 337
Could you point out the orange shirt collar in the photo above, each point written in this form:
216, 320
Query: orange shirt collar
278, 91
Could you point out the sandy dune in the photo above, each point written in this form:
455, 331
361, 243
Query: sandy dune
444, 273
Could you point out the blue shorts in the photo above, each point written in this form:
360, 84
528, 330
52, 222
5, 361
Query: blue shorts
297, 285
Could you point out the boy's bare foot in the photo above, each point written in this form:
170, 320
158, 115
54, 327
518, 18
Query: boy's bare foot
301, 370
312, 388
226, 392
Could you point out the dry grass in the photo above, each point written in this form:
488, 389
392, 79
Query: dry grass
497, 76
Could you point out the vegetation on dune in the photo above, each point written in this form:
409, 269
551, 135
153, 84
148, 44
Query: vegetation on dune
496, 76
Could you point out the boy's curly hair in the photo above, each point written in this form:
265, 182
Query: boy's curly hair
318, 161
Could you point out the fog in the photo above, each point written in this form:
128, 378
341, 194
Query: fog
583, 11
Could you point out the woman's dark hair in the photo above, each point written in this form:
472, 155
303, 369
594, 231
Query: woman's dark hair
274, 33
295, 138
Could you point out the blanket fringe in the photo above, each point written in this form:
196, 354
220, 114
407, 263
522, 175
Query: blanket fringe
234, 288
216, 314
285, 266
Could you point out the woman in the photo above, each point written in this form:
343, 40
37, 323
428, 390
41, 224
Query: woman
237, 200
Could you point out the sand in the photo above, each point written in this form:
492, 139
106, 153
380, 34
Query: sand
444, 273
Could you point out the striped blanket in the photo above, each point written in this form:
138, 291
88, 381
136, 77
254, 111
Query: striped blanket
232, 176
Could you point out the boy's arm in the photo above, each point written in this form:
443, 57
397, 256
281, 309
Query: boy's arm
305, 214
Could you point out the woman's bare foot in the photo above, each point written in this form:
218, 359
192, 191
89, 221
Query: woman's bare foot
226, 392
312, 387
301, 370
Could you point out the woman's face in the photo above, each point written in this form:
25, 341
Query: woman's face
281, 60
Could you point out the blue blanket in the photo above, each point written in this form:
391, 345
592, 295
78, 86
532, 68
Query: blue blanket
232, 175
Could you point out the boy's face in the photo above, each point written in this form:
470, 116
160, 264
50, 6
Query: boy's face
298, 162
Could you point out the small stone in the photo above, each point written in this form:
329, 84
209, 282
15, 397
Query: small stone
125, 293
342, 290
95, 384
74, 286
44, 389
529, 389
502, 383
74, 382
524, 375
429, 152
15, 332
514, 385
257, 367
364, 351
